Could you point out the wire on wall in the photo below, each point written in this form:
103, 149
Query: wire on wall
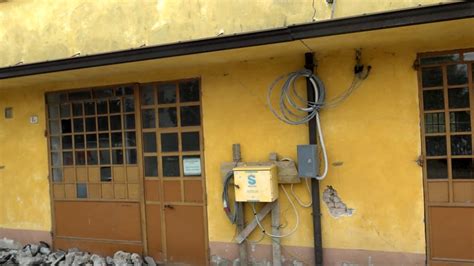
294, 109
294, 209
300, 202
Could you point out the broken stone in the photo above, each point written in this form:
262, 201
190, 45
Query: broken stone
97, 260
150, 261
81, 259
109, 260
24, 259
45, 251
9, 244
6, 258
56, 257
11, 253
70, 257
44, 248
136, 259
122, 258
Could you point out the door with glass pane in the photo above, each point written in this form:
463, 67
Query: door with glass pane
447, 100
95, 172
173, 171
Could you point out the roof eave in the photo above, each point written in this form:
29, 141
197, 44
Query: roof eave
400, 18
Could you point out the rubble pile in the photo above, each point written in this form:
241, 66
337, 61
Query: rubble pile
12, 253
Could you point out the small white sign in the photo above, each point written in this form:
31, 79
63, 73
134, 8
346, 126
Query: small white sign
34, 119
192, 166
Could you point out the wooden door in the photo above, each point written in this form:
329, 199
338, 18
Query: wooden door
173, 171
94, 169
447, 101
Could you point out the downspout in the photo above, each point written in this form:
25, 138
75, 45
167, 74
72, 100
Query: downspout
318, 242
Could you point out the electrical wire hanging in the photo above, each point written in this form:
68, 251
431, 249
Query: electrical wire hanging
300, 202
231, 215
294, 209
295, 110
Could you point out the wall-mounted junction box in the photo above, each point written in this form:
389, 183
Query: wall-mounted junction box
308, 161
256, 183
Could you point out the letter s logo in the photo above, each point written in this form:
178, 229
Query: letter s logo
251, 180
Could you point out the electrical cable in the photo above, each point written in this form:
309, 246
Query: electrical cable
231, 215
333, 8
290, 97
300, 202
296, 215
309, 109
295, 110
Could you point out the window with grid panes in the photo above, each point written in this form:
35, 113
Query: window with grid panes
447, 97
171, 125
92, 143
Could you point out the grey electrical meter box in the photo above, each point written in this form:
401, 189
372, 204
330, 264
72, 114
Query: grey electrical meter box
308, 161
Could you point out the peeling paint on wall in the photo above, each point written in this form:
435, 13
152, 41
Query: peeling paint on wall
336, 206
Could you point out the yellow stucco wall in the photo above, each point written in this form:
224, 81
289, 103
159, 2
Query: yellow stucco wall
38, 30
375, 133
24, 187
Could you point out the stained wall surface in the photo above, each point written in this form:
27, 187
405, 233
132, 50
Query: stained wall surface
375, 134
39, 30
373, 139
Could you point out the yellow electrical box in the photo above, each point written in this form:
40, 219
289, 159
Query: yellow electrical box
256, 183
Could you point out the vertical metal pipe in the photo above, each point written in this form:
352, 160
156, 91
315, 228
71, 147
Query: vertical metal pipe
318, 241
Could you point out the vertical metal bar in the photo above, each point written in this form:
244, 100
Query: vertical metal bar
447, 120
318, 247
141, 174
50, 170
424, 168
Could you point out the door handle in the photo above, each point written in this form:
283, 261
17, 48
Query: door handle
167, 206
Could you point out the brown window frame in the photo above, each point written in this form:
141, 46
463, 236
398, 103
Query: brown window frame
187, 183
125, 183
433, 187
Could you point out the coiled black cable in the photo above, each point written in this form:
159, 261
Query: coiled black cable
231, 214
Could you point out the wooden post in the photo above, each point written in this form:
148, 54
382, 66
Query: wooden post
253, 224
237, 157
240, 228
276, 248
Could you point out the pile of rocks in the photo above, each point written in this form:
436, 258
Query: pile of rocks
12, 253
